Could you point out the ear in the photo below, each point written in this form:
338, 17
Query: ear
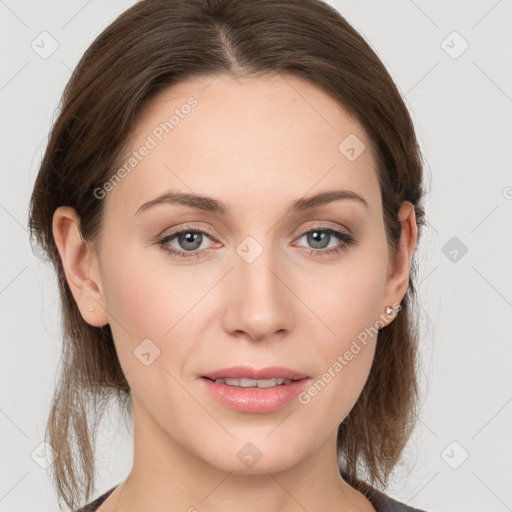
80, 266
397, 280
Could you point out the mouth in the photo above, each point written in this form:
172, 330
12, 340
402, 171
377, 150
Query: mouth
249, 390
254, 383
250, 377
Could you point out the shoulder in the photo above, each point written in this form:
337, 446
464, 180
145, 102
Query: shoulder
381, 502
93, 505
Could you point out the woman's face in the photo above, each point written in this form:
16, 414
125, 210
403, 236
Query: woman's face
252, 281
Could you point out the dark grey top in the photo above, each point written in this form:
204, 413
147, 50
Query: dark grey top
380, 502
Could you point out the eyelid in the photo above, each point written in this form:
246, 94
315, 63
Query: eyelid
208, 231
323, 225
187, 227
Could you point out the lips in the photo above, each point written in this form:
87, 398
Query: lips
247, 372
259, 399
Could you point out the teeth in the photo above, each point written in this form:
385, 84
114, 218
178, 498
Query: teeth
253, 383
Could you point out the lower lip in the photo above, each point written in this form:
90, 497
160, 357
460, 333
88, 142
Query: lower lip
255, 400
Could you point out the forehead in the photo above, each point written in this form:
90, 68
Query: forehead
245, 141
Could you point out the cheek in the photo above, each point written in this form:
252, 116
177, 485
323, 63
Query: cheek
133, 300
346, 301
346, 356
348, 305
137, 311
152, 301
146, 295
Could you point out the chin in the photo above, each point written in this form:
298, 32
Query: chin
255, 458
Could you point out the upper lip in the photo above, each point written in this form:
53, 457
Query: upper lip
247, 372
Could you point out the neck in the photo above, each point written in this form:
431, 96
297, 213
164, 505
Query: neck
166, 476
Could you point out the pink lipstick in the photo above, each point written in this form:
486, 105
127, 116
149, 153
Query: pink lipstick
251, 390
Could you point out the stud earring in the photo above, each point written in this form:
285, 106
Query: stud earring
389, 310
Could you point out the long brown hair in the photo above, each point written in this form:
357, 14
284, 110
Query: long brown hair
154, 45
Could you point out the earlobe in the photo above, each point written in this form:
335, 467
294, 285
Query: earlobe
80, 266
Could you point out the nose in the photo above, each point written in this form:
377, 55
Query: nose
259, 303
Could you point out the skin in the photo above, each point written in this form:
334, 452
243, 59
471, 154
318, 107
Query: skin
257, 145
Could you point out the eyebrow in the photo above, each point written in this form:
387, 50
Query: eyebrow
210, 204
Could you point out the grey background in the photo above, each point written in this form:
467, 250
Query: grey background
461, 103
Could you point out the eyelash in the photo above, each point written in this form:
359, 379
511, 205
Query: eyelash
346, 239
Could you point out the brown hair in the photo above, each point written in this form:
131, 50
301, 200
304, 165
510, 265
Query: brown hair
156, 44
